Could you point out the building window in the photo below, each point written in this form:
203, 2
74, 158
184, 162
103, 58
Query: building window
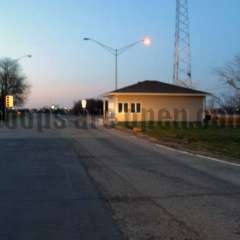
135, 107
125, 107
138, 107
120, 107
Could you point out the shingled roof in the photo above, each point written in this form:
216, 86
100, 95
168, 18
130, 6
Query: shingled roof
157, 87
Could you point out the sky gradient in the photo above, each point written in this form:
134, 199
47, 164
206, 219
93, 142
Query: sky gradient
64, 68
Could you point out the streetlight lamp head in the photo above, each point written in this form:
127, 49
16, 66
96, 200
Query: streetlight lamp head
86, 39
147, 41
29, 55
84, 103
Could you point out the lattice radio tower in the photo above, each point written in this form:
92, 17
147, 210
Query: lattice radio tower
182, 63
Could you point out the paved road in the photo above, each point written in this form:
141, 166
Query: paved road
46, 193
163, 194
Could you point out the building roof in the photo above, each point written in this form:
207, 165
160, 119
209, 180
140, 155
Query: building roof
156, 87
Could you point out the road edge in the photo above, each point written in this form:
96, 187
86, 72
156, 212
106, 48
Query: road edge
186, 152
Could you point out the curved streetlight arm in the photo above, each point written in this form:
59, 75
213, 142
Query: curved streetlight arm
114, 51
106, 47
25, 56
124, 49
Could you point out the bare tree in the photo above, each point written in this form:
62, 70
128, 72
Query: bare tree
12, 82
230, 73
231, 104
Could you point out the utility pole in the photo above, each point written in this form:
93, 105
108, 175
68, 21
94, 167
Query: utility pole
116, 69
182, 59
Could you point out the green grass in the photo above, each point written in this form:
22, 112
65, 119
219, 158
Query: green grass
217, 141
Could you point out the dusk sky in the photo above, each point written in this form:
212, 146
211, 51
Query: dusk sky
64, 68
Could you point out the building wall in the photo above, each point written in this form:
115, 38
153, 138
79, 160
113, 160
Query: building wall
159, 108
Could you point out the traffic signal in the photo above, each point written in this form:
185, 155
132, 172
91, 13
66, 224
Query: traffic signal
9, 101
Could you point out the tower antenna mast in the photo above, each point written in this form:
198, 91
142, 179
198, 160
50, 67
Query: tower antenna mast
182, 59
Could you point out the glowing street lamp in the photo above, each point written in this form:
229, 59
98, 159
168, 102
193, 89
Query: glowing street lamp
84, 104
118, 51
147, 41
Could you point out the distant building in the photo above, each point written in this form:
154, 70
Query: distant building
155, 101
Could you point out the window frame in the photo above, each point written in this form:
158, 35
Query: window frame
125, 110
133, 107
140, 107
124, 107
136, 104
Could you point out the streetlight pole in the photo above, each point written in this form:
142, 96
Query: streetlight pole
116, 69
116, 52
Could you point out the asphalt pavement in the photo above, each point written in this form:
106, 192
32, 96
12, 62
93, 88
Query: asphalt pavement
157, 193
55, 183
45, 192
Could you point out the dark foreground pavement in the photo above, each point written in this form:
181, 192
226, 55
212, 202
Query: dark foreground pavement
154, 193
45, 193
160, 194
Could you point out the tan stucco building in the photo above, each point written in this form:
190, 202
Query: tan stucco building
155, 101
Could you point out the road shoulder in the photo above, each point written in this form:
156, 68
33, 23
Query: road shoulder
174, 146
